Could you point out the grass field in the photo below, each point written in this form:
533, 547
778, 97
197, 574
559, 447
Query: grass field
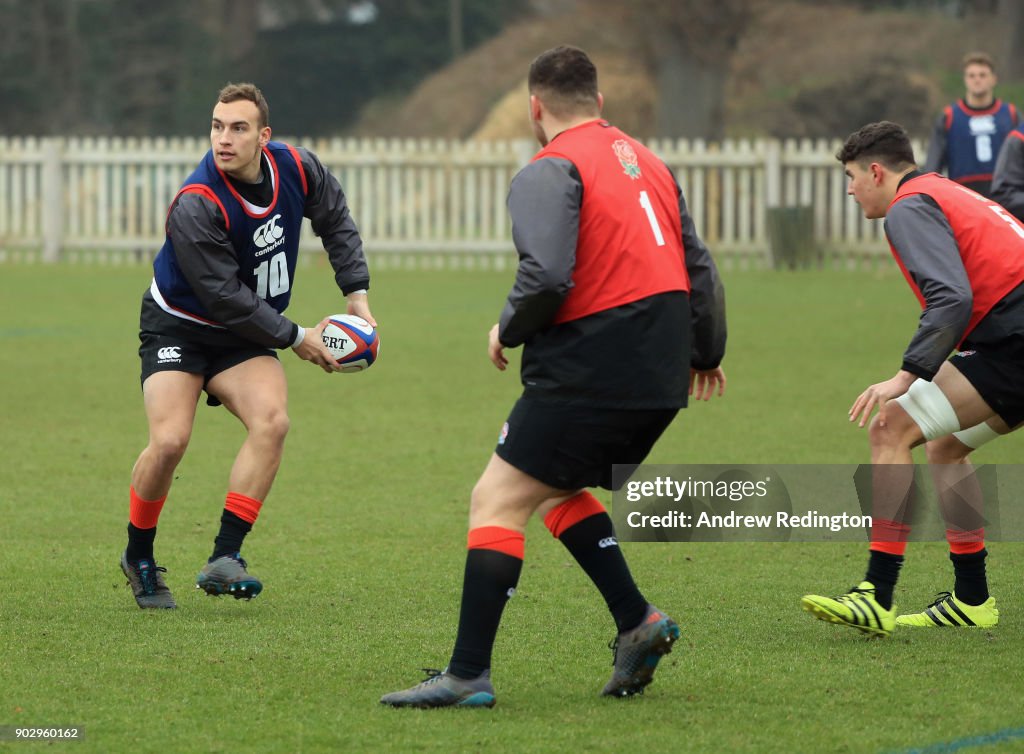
361, 547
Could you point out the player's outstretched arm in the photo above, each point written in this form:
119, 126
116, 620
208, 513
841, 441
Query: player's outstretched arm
703, 382
312, 348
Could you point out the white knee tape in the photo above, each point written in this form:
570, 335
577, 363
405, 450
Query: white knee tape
976, 436
930, 409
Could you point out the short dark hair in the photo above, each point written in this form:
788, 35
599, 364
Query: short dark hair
885, 142
250, 92
978, 58
565, 80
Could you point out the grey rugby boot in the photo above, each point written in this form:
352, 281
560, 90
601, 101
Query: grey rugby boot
147, 584
638, 651
227, 575
442, 689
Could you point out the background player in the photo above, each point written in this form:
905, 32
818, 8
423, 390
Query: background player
1008, 179
609, 261
213, 317
967, 134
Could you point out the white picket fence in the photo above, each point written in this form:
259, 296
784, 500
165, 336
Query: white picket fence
439, 201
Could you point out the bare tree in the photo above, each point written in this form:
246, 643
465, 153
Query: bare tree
687, 46
1010, 17
455, 36
240, 26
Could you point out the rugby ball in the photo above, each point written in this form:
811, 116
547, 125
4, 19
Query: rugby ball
352, 341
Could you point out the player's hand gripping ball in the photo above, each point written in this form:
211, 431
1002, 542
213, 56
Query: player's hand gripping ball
352, 341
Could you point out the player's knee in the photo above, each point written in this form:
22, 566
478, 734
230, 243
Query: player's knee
879, 435
169, 447
491, 505
482, 501
899, 431
946, 450
273, 425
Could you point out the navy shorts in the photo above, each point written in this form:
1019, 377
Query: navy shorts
571, 447
169, 353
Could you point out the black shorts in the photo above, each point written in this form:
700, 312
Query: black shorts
170, 353
571, 447
997, 375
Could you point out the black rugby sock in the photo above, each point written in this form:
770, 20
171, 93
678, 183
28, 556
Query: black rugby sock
232, 533
140, 544
490, 580
883, 571
592, 542
581, 523
971, 582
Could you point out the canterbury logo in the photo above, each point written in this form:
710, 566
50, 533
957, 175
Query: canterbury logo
268, 233
169, 352
608, 542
